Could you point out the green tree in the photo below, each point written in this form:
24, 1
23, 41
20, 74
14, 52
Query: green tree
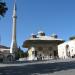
20, 54
26, 54
3, 8
72, 38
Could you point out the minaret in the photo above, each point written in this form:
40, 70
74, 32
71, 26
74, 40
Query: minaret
13, 47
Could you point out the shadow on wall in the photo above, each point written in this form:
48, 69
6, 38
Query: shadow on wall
38, 68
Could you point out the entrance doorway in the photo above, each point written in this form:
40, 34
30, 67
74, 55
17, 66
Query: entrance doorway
55, 54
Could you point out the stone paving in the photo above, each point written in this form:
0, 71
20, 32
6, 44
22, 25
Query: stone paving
53, 67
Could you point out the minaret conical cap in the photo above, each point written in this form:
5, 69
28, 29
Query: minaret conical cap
14, 9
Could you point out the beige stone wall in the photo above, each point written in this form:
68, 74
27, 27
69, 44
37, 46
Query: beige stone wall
69, 52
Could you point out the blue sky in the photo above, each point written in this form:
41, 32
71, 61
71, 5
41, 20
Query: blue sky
50, 16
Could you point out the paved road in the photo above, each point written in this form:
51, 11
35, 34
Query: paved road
39, 68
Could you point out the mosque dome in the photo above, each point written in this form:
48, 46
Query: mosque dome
33, 35
54, 36
41, 33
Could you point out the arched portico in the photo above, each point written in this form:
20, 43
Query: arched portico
10, 57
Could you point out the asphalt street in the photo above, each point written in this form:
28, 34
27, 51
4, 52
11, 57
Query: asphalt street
55, 67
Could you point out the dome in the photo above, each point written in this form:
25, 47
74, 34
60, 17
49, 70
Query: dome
33, 35
54, 35
41, 33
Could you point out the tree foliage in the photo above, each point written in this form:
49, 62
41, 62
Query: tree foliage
3, 8
72, 38
20, 53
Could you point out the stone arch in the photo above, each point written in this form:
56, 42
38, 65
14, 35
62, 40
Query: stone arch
10, 57
40, 48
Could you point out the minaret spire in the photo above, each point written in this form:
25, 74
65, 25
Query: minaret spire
14, 9
14, 22
14, 43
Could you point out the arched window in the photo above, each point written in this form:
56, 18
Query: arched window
67, 46
40, 48
50, 48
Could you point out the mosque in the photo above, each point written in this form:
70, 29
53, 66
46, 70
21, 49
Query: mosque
39, 45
